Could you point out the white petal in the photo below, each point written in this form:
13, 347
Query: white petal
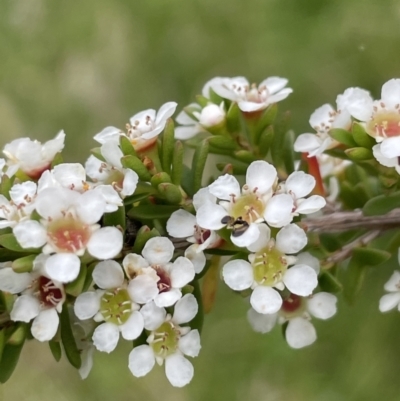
225, 186
179, 370
389, 301
311, 204
263, 239
300, 184
300, 280
305, 258
322, 305
63, 267
209, 216
19, 192
141, 360
187, 132
107, 134
391, 93
153, 316
202, 196
158, 250
108, 274
45, 325
87, 362
385, 161
168, 298
142, 289
130, 183
265, 300
260, 175
90, 207
358, 102
278, 212
261, 322
105, 243
393, 283
87, 305
25, 308
133, 327
112, 153
190, 343
53, 202
105, 337
291, 239
319, 119
307, 143
69, 175
274, 84
185, 309
248, 237
30, 234
390, 147
181, 224
184, 119
13, 282
300, 333
197, 258
238, 274
166, 111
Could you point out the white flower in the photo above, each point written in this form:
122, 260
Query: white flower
297, 311
112, 304
68, 228
183, 224
168, 341
268, 268
391, 300
386, 161
381, 118
240, 210
250, 98
20, 206
289, 200
31, 156
165, 286
40, 298
143, 129
207, 117
111, 172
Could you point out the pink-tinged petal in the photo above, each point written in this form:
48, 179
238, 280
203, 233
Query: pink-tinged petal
278, 212
389, 301
300, 184
63, 267
260, 322
133, 327
322, 305
141, 360
265, 300
13, 282
190, 344
108, 274
87, 305
153, 316
311, 204
185, 309
166, 111
105, 243
30, 234
247, 238
224, 187
45, 325
300, 280
143, 289
291, 239
179, 370
158, 250
300, 333
25, 308
391, 93
390, 147
261, 176
238, 274
210, 215
187, 132
181, 224
105, 337
168, 298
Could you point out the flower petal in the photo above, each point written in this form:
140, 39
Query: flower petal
105, 337
108, 274
311, 204
105, 243
263, 239
265, 300
197, 258
63, 267
248, 237
225, 186
141, 360
30, 234
179, 370
322, 305
190, 343
181, 224
13, 282
390, 147
202, 196
305, 258
133, 327
291, 239
389, 301
209, 216
143, 289
300, 184
87, 305
261, 175
238, 274
393, 284
278, 212
153, 316
300, 280
391, 93
260, 322
185, 309
25, 308
168, 298
300, 333
45, 325
158, 250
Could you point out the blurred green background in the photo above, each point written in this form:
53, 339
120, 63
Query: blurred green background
83, 65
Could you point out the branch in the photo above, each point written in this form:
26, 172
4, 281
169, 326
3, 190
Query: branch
345, 221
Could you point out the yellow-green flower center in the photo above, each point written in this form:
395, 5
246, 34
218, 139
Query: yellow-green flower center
384, 124
165, 339
116, 306
269, 266
247, 207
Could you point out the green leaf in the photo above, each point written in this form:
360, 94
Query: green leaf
235, 168
370, 256
353, 280
167, 149
186, 182
24, 264
198, 164
75, 287
2, 341
266, 140
9, 241
361, 137
177, 163
57, 159
7, 301
115, 219
197, 322
201, 100
96, 152
336, 152
359, 154
126, 146
329, 283
382, 204
150, 212
134, 163
266, 119
68, 340
5, 186
245, 156
343, 136
170, 192
9, 360
233, 118
160, 178
55, 348
222, 142
89, 278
